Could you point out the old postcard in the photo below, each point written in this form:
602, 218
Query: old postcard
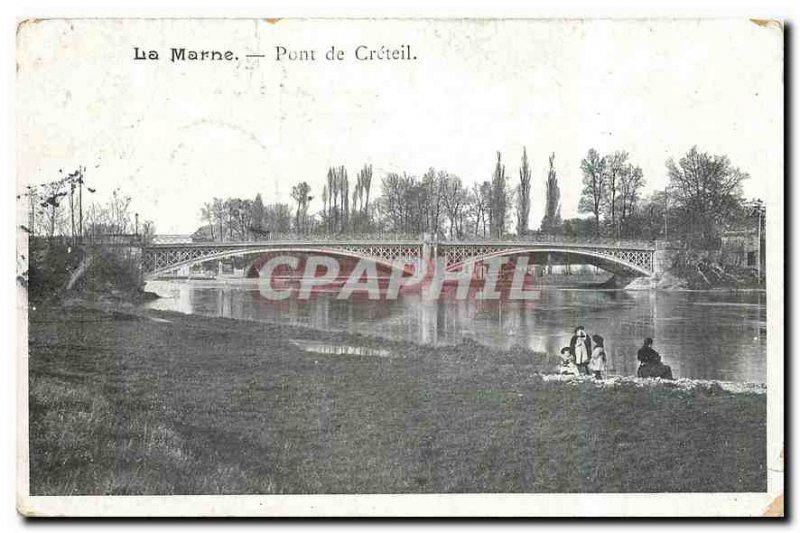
429, 267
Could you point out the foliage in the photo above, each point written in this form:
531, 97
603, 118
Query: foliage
95, 269
499, 200
593, 167
706, 192
301, 194
524, 195
551, 223
702, 200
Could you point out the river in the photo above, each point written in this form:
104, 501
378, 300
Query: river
702, 335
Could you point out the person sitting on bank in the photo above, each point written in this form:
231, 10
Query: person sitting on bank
580, 348
650, 365
567, 364
597, 364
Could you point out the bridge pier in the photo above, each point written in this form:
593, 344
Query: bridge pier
663, 257
430, 248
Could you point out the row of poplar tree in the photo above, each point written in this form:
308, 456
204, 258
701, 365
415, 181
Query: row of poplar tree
703, 198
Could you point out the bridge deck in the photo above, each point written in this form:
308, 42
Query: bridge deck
634, 245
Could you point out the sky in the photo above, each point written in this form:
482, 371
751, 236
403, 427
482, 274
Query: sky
173, 135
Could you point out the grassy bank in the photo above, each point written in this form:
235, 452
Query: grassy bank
122, 403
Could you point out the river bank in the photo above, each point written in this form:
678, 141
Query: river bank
125, 401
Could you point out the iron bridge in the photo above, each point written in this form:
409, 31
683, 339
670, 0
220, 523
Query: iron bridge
632, 259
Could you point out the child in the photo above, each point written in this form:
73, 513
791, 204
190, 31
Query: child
597, 364
580, 347
567, 364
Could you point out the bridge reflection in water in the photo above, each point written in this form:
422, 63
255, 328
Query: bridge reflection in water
702, 335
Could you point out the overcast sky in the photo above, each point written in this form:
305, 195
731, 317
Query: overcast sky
174, 135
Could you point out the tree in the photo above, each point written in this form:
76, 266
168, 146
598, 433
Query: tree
480, 201
54, 215
219, 209
241, 212
646, 222
524, 195
360, 214
499, 199
551, 222
579, 227
336, 198
394, 201
278, 218
615, 168
706, 190
119, 218
111, 217
455, 199
257, 216
631, 183
594, 173
430, 200
301, 195
207, 216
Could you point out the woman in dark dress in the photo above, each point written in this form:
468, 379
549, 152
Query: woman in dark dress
650, 365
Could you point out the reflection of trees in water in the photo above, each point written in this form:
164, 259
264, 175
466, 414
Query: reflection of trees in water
702, 335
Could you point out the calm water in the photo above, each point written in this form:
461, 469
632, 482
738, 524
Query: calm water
701, 335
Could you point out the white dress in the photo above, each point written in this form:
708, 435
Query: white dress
598, 362
581, 354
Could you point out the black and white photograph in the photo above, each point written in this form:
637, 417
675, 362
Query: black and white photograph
400, 267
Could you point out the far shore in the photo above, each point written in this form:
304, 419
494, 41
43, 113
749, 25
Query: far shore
131, 401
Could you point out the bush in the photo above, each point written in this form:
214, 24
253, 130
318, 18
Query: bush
50, 267
110, 271
106, 271
704, 269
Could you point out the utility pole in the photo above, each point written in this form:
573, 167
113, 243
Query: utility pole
33, 201
666, 211
760, 209
80, 201
72, 208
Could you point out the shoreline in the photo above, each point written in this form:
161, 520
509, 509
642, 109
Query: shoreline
126, 400
430, 350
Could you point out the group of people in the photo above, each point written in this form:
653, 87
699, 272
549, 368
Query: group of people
586, 355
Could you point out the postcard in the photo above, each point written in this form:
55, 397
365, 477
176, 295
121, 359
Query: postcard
400, 267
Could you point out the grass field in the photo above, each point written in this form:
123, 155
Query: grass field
171, 404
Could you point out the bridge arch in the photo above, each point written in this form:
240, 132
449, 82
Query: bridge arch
610, 263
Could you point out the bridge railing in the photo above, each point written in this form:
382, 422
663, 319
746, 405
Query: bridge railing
293, 238
551, 239
171, 239
408, 239
91, 239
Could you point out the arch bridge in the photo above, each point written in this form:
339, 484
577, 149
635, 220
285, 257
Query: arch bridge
625, 259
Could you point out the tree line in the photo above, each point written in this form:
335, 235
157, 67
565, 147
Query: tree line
703, 198
57, 209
